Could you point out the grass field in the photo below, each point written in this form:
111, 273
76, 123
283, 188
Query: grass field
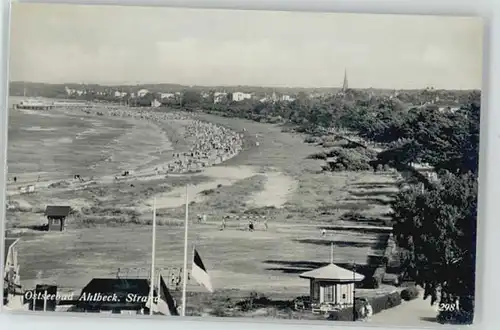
109, 229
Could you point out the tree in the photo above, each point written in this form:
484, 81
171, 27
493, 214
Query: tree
191, 97
405, 151
437, 228
444, 140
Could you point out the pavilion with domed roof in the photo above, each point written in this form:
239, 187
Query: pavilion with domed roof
332, 284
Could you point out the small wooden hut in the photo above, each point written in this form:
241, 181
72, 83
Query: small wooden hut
332, 285
56, 217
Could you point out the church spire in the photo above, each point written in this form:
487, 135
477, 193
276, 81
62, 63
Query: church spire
345, 86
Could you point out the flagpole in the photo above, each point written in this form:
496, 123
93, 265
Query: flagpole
38, 278
158, 295
184, 274
153, 250
159, 278
331, 252
45, 301
34, 298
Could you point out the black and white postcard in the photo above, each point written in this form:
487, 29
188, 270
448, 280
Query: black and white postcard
228, 163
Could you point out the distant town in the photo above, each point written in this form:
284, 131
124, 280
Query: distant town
171, 95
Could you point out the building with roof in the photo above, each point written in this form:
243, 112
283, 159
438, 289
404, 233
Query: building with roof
164, 96
115, 295
42, 298
120, 94
332, 285
220, 97
142, 92
287, 98
240, 96
56, 217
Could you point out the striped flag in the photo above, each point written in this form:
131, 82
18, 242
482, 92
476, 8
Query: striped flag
199, 272
165, 304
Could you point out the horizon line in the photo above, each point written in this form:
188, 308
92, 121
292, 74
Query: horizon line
236, 85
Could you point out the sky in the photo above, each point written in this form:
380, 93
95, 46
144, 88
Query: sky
59, 43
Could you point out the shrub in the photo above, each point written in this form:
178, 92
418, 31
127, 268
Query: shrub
319, 155
409, 293
311, 139
254, 301
394, 299
381, 303
346, 314
341, 315
349, 159
208, 192
337, 167
371, 282
302, 303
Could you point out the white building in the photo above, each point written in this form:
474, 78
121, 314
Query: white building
239, 96
167, 96
219, 97
449, 109
287, 98
142, 92
70, 91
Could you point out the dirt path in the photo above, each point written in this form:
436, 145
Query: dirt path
220, 175
417, 312
276, 190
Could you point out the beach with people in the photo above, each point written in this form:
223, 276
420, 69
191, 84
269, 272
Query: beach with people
240, 194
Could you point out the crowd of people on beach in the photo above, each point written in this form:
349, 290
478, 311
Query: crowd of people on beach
211, 144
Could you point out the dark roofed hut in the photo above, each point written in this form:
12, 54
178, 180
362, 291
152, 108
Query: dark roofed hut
115, 295
56, 216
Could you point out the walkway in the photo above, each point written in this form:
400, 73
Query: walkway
414, 313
